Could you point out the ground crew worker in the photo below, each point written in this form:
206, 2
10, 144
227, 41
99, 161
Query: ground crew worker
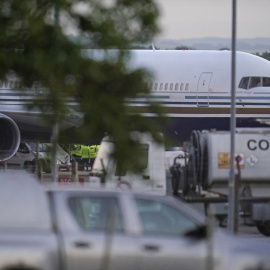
78, 153
93, 154
73, 151
85, 157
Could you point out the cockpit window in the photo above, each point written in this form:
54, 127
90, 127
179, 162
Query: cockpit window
244, 83
266, 82
252, 82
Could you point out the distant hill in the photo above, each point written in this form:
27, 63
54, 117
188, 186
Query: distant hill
251, 45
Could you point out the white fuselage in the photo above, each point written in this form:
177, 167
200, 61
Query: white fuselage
198, 83
190, 84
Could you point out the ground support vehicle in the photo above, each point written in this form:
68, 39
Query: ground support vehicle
153, 178
48, 227
28, 155
206, 173
24, 158
158, 175
63, 157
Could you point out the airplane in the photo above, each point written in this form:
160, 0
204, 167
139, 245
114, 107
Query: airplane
194, 86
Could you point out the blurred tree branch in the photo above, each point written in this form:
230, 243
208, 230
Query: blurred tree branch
39, 52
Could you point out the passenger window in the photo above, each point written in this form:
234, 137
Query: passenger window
182, 86
156, 86
254, 82
3, 84
17, 84
266, 82
244, 83
166, 86
171, 86
161, 86
176, 86
96, 213
187, 86
160, 218
11, 84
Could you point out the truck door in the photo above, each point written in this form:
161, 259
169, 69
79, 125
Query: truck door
203, 89
163, 243
93, 233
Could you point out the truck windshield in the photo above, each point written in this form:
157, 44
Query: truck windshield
43, 147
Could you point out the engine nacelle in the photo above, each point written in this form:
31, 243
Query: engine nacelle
9, 137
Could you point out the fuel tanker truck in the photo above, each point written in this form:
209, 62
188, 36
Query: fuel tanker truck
207, 170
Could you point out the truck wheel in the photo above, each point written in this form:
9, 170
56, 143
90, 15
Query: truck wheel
264, 227
175, 185
124, 185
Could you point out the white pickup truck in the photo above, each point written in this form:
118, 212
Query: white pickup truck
66, 227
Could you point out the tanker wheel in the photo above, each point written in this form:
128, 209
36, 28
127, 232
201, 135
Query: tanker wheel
264, 227
175, 185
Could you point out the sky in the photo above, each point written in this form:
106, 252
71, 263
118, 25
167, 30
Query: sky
184, 19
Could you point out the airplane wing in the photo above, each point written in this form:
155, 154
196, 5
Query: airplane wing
19, 124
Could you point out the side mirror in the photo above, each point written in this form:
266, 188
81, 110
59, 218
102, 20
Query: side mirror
199, 232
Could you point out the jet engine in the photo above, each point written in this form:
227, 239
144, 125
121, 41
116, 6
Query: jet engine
9, 137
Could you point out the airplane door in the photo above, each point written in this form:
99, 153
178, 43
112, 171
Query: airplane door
203, 89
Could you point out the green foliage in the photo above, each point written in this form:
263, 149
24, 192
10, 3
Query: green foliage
183, 48
35, 47
265, 55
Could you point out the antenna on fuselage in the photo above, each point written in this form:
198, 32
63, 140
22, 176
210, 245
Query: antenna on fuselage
153, 47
